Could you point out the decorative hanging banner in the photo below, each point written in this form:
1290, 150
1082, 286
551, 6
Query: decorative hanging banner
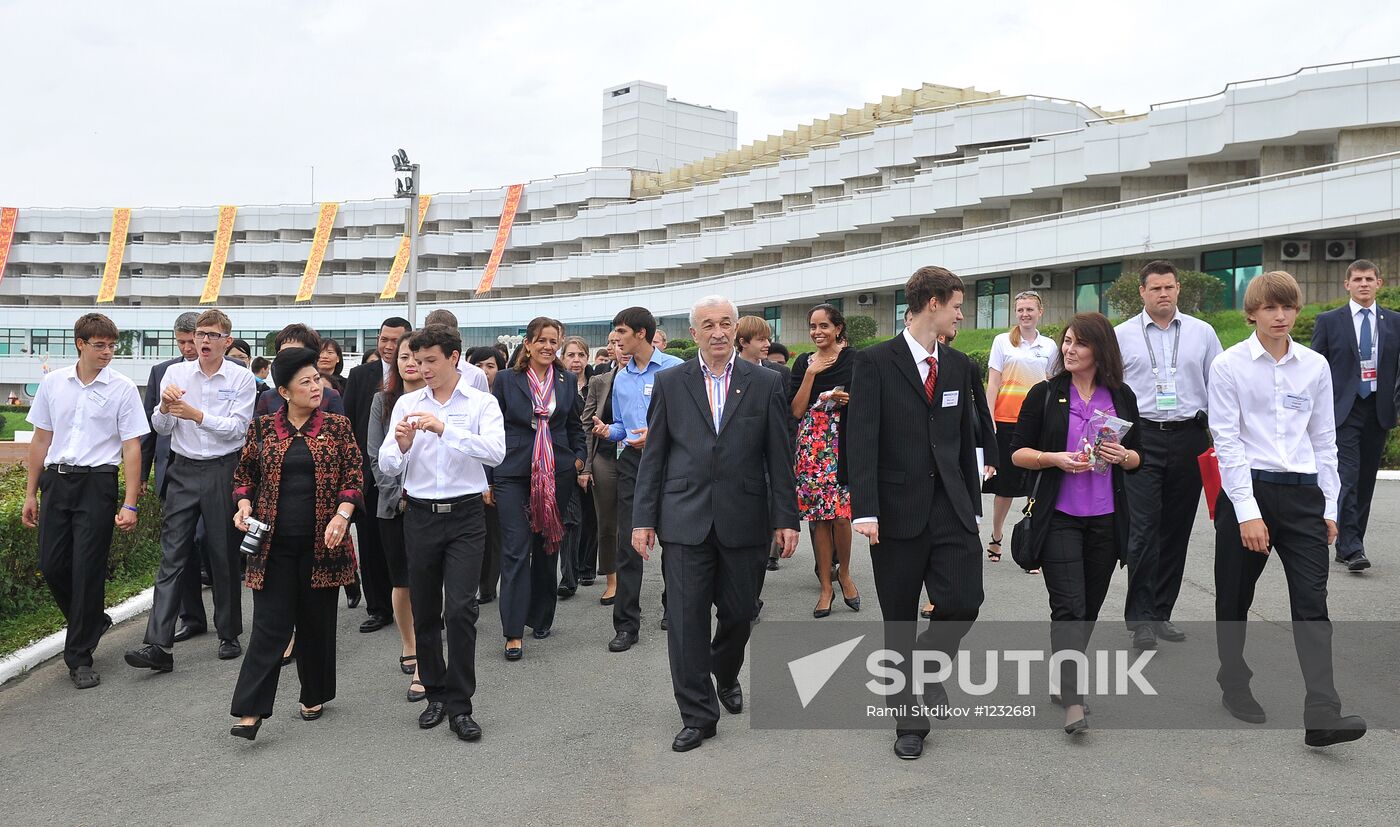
223, 237
391, 284
502, 233
319, 242
8, 217
116, 248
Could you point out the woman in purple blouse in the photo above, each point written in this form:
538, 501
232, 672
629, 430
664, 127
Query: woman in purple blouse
1080, 528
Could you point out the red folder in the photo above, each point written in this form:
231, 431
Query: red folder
1210, 478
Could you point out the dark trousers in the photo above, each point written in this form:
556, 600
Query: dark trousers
698, 577
444, 568
946, 561
491, 557
587, 552
1293, 515
1360, 444
75, 541
605, 506
1163, 495
374, 570
192, 583
627, 609
195, 489
286, 602
528, 575
1077, 563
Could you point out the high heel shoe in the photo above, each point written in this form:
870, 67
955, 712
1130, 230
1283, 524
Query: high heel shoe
1079, 726
246, 731
311, 714
820, 612
853, 602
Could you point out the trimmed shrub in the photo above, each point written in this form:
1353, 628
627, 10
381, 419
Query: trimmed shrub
860, 328
1200, 293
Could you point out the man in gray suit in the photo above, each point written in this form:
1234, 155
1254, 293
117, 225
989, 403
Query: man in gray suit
716, 425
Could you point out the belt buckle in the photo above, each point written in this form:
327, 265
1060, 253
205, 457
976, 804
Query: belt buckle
442, 508
58, 466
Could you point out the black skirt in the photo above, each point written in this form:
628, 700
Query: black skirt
1010, 481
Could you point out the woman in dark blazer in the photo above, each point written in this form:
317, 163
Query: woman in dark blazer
600, 470
300, 473
535, 483
1080, 522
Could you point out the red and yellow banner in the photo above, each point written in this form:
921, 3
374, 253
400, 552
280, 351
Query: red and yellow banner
391, 284
8, 217
116, 248
324, 223
502, 234
223, 237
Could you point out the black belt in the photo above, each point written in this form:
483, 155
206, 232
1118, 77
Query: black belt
1284, 477
182, 458
81, 469
441, 506
1174, 425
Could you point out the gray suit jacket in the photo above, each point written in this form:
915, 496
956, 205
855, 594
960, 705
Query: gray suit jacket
692, 480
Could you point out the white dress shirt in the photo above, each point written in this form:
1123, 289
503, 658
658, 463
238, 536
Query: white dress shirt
452, 465
475, 376
1375, 331
1198, 348
1289, 426
226, 399
89, 422
921, 362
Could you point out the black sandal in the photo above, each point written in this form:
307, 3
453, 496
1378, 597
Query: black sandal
404, 666
994, 556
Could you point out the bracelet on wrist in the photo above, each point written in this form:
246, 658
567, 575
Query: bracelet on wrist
342, 515
130, 508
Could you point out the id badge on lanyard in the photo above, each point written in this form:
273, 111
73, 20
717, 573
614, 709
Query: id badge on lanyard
1368, 370
1164, 389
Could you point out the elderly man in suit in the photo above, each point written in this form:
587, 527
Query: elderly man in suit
1361, 341
716, 425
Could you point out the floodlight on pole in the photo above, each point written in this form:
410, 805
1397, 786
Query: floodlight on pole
409, 187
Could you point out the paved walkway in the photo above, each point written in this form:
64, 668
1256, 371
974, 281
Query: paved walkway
575, 734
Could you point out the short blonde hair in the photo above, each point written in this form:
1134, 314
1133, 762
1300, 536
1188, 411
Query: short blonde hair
752, 327
214, 318
1274, 287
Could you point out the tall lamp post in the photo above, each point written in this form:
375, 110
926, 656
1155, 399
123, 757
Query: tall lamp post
409, 187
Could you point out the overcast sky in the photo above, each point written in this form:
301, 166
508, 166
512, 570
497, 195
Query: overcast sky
196, 103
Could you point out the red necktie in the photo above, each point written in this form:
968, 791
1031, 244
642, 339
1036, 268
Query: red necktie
931, 379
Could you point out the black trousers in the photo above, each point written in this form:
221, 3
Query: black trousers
1360, 444
195, 489
284, 603
1293, 515
946, 560
529, 576
395, 555
587, 552
75, 541
374, 569
697, 578
491, 557
1077, 563
444, 568
192, 611
1163, 495
627, 609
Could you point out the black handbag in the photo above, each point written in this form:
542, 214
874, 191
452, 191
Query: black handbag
1021, 533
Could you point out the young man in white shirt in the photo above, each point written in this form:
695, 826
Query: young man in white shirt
445, 435
88, 420
205, 406
1278, 469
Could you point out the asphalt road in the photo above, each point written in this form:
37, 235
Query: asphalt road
577, 735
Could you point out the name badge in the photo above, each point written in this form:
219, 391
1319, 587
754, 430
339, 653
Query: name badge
1297, 402
646, 390
1368, 370
458, 420
97, 398
227, 394
1166, 395
950, 398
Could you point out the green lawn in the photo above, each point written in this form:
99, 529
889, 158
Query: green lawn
11, 422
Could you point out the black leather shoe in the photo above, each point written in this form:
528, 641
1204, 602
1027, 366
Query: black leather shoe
1077, 727
732, 699
1144, 638
623, 642
1242, 705
852, 602
245, 731
150, 656
608, 601
106, 624
432, 716
585, 581
84, 678
757, 609
541, 634
1346, 728
310, 714
515, 652
818, 611
230, 649
1166, 630
909, 747
691, 737
772, 564
564, 593
465, 727
374, 623
187, 631
416, 695
664, 623
1358, 562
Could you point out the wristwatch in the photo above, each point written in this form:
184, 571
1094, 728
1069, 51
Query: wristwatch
342, 515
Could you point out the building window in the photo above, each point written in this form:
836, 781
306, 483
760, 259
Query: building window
54, 342
13, 340
349, 340
1235, 269
901, 304
773, 315
259, 340
839, 303
1091, 287
158, 343
994, 302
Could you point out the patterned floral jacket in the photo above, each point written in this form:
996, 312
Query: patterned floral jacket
339, 479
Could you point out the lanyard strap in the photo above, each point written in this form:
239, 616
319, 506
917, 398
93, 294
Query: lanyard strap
1152, 354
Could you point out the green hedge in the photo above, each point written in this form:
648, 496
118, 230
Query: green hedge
22, 589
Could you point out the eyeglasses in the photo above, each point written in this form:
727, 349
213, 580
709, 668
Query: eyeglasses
1027, 294
207, 336
100, 347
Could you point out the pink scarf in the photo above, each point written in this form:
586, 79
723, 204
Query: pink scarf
544, 508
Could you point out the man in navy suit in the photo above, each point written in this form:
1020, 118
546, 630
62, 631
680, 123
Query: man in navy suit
1361, 341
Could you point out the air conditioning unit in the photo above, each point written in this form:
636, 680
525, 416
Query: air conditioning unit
1340, 249
1295, 249
138, 271
865, 299
1040, 280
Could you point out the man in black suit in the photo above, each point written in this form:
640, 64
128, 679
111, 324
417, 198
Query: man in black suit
716, 425
912, 437
1361, 341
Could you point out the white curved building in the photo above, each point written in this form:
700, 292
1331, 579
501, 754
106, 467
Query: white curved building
1007, 191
